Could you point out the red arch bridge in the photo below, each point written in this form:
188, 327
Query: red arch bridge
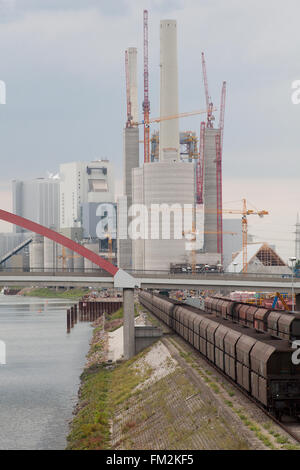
121, 278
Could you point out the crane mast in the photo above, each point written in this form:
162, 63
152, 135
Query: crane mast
146, 103
209, 104
222, 112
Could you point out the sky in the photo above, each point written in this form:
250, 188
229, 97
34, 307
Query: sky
63, 65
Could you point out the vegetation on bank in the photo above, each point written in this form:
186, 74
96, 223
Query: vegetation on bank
45, 292
103, 388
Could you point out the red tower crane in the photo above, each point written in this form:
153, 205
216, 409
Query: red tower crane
209, 104
199, 167
222, 112
146, 103
129, 116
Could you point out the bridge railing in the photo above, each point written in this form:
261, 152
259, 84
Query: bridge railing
148, 273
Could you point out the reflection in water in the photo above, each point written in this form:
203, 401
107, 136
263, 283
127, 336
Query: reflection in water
39, 383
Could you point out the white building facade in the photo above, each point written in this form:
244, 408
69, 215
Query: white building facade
37, 200
81, 183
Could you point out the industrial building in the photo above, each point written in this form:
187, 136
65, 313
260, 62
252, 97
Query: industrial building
261, 258
130, 161
37, 200
84, 182
174, 171
168, 181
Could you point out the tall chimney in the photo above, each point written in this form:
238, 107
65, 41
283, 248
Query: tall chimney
132, 69
169, 131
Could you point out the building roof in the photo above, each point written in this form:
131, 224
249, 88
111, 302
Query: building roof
260, 254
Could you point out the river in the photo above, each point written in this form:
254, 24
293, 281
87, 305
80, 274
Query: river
40, 380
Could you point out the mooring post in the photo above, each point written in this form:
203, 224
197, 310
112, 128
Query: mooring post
128, 329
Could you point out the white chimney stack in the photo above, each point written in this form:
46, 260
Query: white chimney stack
169, 147
132, 69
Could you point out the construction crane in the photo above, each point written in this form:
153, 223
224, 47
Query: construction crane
174, 116
128, 98
244, 212
279, 296
146, 102
64, 257
209, 104
109, 239
222, 112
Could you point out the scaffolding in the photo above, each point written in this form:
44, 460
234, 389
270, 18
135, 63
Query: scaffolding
188, 146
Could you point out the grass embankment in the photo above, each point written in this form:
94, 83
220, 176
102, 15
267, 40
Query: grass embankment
72, 294
103, 388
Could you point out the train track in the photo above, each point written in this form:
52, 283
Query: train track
171, 333
283, 426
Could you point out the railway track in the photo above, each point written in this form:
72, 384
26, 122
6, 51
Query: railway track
286, 428
184, 323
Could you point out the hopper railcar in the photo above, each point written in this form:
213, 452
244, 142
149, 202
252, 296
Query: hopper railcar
277, 323
260, 364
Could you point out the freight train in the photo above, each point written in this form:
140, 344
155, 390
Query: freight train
259, 363
277, 323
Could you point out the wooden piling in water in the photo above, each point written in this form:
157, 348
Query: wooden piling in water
68, 321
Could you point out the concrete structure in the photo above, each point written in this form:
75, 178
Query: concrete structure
83, 182
145, 335
50, 255
37, 200
225, 282
128, 326
162, 183
133, 83
130, 161
88, 265
36, 254
169, 147
210, 191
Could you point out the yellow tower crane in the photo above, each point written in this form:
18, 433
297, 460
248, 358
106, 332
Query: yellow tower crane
244, 213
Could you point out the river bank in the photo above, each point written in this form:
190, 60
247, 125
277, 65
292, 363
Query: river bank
45, 292
166, 397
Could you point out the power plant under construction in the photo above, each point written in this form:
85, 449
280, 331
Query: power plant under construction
175, 171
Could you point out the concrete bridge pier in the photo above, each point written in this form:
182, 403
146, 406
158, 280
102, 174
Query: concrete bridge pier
128, 330
297, 306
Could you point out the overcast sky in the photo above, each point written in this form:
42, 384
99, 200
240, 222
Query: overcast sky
63, 65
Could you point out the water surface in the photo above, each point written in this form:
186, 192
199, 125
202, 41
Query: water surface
40, 381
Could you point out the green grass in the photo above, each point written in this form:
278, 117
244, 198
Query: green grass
102, 392
90, 427
72, 294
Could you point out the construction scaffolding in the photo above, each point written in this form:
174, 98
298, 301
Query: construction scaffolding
188, 146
